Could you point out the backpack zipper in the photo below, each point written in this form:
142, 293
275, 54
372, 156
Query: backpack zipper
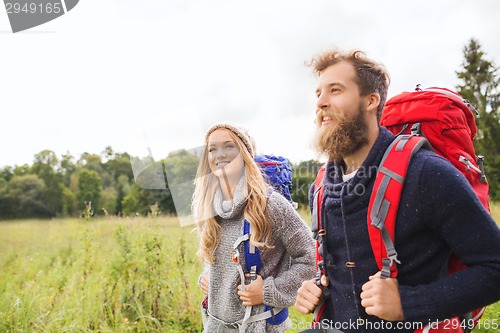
469, 165
454, 97
480, 163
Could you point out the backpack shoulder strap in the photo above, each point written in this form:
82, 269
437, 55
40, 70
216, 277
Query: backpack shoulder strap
316, 215
319, 233
385, 197
253, 263
318, 198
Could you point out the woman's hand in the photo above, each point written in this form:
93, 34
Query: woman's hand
203, 283
254, 292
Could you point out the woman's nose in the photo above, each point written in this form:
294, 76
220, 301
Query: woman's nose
221, 154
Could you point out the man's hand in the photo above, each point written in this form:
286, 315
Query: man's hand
203, 283
309, 295
380, 297
254, 293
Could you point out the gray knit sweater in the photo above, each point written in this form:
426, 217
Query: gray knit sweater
292, 242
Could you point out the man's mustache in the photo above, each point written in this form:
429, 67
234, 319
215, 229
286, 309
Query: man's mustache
334, 115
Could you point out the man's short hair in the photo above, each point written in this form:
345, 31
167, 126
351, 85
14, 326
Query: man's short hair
371, 76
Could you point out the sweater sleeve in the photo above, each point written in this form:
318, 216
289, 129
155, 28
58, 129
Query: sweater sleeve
295, 235
452, 211
205, 273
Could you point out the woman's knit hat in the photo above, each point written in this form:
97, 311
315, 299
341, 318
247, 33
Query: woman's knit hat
239, 131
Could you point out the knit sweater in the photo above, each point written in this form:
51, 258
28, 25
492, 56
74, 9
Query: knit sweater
291, 240
439, 214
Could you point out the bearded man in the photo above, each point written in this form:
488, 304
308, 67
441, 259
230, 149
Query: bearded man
437, 215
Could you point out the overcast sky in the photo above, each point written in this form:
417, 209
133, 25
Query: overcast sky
157, 73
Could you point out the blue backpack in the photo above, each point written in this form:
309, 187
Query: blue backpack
278, 173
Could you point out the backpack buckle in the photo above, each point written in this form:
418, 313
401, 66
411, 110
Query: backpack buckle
416, 130
272, 314
253, 272
471, 107
480, 162
394, 259
235, 256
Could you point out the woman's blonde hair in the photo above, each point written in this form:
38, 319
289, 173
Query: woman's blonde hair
256, 192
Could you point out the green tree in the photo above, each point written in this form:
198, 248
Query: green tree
44, 167
480, 84
90, 189
69, 203
107, 153
149, 187
123, 186
303, 175
118, 167
20, 170
180, 168
5, 200
7, 173
108, 200
134, 202
27, 196
66, 168
163, 182
90, 162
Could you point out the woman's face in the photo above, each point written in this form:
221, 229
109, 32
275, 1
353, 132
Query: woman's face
224, 156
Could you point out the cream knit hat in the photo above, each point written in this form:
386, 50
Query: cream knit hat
239, 131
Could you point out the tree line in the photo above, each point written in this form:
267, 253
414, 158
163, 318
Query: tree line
120, 184
110, 183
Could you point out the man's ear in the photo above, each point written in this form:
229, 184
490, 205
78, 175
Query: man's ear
373, 100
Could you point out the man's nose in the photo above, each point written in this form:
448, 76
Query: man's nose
322, 102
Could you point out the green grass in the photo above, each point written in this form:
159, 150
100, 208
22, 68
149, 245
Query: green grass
110, 275
117, 275
490, 322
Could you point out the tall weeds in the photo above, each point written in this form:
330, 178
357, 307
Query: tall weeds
109, 275
91, 275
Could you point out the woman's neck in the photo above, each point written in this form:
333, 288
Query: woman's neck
228, 185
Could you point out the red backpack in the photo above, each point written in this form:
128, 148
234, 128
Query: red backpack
448, 121
434, 118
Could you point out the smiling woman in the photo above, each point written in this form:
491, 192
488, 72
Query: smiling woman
238, 213
224, 158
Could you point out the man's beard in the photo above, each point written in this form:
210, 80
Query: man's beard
349, 135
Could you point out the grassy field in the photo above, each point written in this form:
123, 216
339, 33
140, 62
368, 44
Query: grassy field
116, 275
107, 275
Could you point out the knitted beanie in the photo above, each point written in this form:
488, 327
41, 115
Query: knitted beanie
239, 131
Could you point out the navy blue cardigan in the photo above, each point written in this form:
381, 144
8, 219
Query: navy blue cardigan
438, 214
